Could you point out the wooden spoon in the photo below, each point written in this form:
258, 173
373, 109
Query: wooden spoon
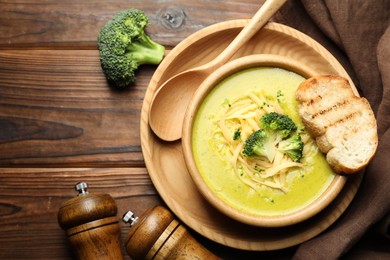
170, 102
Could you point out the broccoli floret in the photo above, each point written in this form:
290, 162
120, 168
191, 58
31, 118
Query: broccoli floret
292, 147
124, 46
258, 143
237, 134
275, 134
278, 124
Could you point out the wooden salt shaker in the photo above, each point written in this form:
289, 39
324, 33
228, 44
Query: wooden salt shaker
91, 225
158, 235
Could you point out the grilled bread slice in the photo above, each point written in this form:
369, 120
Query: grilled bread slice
343, 124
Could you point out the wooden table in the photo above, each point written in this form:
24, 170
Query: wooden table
61, 123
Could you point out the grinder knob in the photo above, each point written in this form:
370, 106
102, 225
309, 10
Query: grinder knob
81, 187
91, 225
158, 235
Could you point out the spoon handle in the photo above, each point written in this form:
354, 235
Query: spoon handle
266, 11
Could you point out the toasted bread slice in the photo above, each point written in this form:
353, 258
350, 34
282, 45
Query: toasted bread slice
343, 124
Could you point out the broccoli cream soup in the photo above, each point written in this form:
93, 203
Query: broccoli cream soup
251, 165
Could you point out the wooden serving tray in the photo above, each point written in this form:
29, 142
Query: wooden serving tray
165, 160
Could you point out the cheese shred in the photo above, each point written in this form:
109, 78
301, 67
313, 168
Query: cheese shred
243, 114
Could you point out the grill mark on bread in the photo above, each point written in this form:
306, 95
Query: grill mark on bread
345, 119
338, 120
338, 105
313, 100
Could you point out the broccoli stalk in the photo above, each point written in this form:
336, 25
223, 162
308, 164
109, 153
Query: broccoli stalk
145, 51
292, 147
124, 46
259, 144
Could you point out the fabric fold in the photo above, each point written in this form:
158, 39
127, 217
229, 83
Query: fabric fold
357, 33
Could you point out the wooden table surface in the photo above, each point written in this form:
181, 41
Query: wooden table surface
61, 123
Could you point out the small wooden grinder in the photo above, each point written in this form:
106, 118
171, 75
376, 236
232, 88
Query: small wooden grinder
91, 225
158, 235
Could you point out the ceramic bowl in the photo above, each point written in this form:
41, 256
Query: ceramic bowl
322, 200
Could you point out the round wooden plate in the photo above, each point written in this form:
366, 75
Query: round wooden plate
165, 162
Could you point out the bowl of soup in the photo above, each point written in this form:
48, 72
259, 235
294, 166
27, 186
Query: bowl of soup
280, 180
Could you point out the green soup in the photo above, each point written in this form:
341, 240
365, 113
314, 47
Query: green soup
304, 185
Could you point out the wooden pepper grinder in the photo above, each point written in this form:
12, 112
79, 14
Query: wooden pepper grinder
91, 225
158, 235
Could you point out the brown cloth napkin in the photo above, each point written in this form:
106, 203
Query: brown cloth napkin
357, 32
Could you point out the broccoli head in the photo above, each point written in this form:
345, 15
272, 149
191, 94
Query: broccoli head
258, 143
292, 147
124, 46
278, 124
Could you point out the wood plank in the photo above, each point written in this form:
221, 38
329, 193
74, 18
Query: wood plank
56, 108
31, 198
75, 24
